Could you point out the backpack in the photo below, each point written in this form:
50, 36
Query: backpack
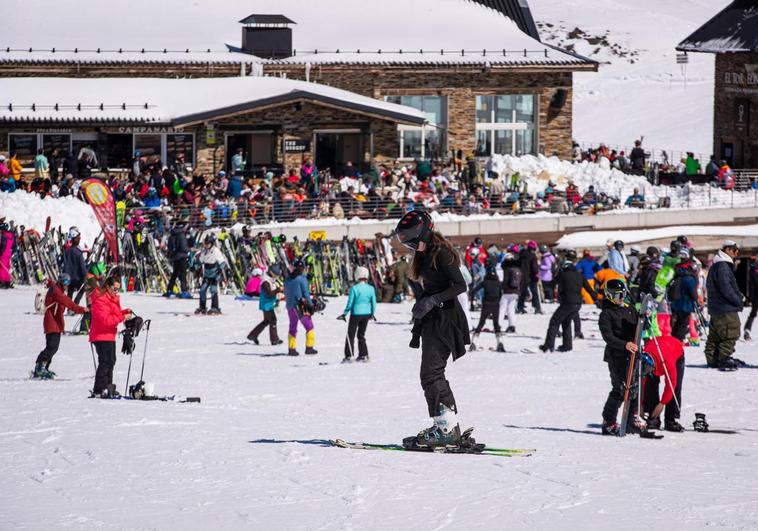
674, 290
514, 278
556, 268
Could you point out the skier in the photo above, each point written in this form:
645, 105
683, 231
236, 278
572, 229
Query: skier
548, 270
178, 251
361, 305
570, 284
724, 306
299, 308
618, 326
7, 244
73, 263
512, 278
212, 262
493, 292
667, 355
440, 325
106, 316
682, 295
617, 259
588, 266
56, 302
530, 274
267, 303
633, 259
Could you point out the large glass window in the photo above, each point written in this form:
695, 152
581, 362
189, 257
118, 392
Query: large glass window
180, 143
506, 124
428, 141
25, 147
149, 147
61, 142
119, 152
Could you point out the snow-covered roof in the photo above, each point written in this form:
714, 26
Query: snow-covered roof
171, 101
733, 29
326, 25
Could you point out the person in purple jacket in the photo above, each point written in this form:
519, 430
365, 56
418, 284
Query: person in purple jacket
547, 272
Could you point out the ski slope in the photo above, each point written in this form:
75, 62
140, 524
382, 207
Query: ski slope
639, 90
74, 463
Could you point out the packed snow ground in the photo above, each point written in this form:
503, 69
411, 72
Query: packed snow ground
73, 462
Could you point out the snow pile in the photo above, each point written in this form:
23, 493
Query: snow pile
537, 170
32, 212
579, 240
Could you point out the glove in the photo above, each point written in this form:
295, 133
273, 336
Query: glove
342, 317
425, 305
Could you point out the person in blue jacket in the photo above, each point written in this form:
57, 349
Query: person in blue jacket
361, 305
299, 308
682, 294
267, 303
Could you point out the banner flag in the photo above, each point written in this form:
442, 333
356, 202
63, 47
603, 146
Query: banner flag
100, 198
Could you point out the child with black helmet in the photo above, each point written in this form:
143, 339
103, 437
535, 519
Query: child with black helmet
618, 326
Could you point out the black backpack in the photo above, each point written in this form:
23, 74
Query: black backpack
674, 290
514, 278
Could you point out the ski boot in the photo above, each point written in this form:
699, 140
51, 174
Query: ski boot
110, 392
252, 337
347, 359
611, 428
728, 365
214, 311
510, 330
654, 424
700, 423
472, 346
362, 359
747, 336
445, 433
579, 335
201, 311
185, 295
293, 352
167, 295
564, 349
41, 373
311, 350
500, 347
712, 364
545, 348
673, 425
277, 342
538, 312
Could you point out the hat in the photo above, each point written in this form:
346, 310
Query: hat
257, 272
2, 158
222, 173
361, 273
729, 243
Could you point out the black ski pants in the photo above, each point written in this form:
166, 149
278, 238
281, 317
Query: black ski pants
651, 396
680, 325
617, 368
106, 360
179, 273
52, 342
527, 288
434, 355
269, 319
548, 288
489, 310
563, 317
357, 324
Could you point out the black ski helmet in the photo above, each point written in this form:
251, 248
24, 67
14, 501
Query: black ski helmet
675, 247
209, 239
682, 239
571, 255
615, 290
298, 265
478, 241
618, 245
544, 248
653, 252
414, 227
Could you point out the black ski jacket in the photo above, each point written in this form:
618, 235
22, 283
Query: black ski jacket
570, 284
492, 290
74, 265
508, 267
618, 326
530, 268
177, 246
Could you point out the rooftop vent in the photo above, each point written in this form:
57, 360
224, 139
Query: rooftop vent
267, 36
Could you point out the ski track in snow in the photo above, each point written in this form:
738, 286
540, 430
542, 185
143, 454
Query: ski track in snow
75, 463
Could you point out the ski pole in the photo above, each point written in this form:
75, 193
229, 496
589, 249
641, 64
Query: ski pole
668, 378
93, 357
128, 373
146, 325
347, 340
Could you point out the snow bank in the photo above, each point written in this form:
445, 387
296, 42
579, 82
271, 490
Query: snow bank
537, 170
598, 238
31, 211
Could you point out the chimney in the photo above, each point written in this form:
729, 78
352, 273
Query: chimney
267, 36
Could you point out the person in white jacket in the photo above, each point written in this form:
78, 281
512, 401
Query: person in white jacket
212, 262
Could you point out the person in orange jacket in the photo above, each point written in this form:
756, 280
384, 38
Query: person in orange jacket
56, 303
603, 276
106, 316
15, 169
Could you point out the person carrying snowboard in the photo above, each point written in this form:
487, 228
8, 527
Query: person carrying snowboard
440, 326
56, 303
267, 303
361, 305
618, 326
106, 316
212, 262
299, 309
493, 292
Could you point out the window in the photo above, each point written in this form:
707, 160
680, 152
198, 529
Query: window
119, 150
180, 143
61, 142
25, 147
149, 146
428, 141
505, 124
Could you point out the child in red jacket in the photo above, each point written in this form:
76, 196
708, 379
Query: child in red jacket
667, 355
106, 316
56, 303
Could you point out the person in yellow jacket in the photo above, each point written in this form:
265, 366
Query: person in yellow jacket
15, 169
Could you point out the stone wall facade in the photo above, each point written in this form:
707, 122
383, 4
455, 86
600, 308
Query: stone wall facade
735, 112
460, 84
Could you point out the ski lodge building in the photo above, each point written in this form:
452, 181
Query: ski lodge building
732, 35
334, 80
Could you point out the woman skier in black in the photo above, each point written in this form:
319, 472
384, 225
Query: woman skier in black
439, 323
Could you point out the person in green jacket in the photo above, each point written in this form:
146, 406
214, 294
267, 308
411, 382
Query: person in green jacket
691, 165
361, 305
